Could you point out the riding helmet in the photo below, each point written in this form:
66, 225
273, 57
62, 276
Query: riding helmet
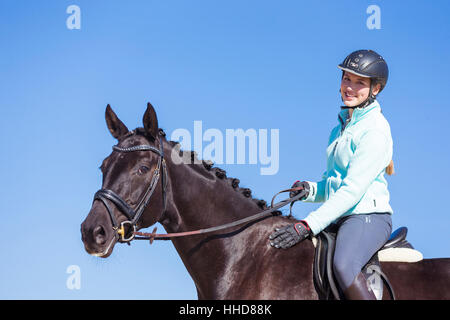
367, 63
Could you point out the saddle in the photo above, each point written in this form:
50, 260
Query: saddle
324, 280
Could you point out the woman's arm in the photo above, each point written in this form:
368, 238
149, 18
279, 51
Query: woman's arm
371, 157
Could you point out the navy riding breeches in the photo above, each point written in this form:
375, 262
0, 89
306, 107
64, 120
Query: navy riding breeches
358, 238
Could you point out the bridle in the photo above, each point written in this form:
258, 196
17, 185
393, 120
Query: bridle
133, 215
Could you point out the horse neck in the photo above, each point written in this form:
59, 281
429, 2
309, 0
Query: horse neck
198, 199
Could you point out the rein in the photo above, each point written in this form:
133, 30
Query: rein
266, 213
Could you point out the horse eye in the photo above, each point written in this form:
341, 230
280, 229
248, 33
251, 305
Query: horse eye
143, 170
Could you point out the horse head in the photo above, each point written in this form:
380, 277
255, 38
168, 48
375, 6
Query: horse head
133, 193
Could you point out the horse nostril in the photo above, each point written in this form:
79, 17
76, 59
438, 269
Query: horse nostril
99, 235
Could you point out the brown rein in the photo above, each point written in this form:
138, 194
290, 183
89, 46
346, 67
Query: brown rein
268, 212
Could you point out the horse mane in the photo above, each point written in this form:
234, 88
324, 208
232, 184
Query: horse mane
206, 166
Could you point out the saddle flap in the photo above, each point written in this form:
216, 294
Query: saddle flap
324, 281
323, 267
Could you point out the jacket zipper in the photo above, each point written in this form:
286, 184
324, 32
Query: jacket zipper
343, 125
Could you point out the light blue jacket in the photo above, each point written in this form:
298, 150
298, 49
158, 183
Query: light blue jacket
357, 156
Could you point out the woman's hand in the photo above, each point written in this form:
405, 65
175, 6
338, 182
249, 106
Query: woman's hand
300, 185
290, 235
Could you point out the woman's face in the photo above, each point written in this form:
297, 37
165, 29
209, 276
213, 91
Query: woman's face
355, 89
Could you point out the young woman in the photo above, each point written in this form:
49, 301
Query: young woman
354, 189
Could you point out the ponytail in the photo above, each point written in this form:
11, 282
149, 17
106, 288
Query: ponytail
390, 168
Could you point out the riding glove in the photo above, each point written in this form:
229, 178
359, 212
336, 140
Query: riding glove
290, 235
302, 185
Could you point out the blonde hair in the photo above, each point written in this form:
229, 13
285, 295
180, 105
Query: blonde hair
390, 168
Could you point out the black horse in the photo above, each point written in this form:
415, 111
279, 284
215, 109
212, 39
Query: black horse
146, 179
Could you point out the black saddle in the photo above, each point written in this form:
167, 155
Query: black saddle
324, 280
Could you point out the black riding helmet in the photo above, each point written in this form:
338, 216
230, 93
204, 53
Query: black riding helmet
369, 64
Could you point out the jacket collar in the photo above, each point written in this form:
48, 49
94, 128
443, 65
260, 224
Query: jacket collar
358, 113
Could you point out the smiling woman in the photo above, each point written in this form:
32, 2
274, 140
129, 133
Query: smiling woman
359, 150
358, 88
355, 90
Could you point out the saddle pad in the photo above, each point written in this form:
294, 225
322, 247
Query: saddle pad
399, 255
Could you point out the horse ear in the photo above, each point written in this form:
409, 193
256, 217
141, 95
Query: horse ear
115, 125
150, 121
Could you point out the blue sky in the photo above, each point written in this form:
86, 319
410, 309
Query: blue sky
233, 64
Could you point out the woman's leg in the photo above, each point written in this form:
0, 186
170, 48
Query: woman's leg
358, 238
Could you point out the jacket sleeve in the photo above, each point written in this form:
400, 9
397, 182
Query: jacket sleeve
371, 157
317, 190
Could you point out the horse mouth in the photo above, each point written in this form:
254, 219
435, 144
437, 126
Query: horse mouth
106, 252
